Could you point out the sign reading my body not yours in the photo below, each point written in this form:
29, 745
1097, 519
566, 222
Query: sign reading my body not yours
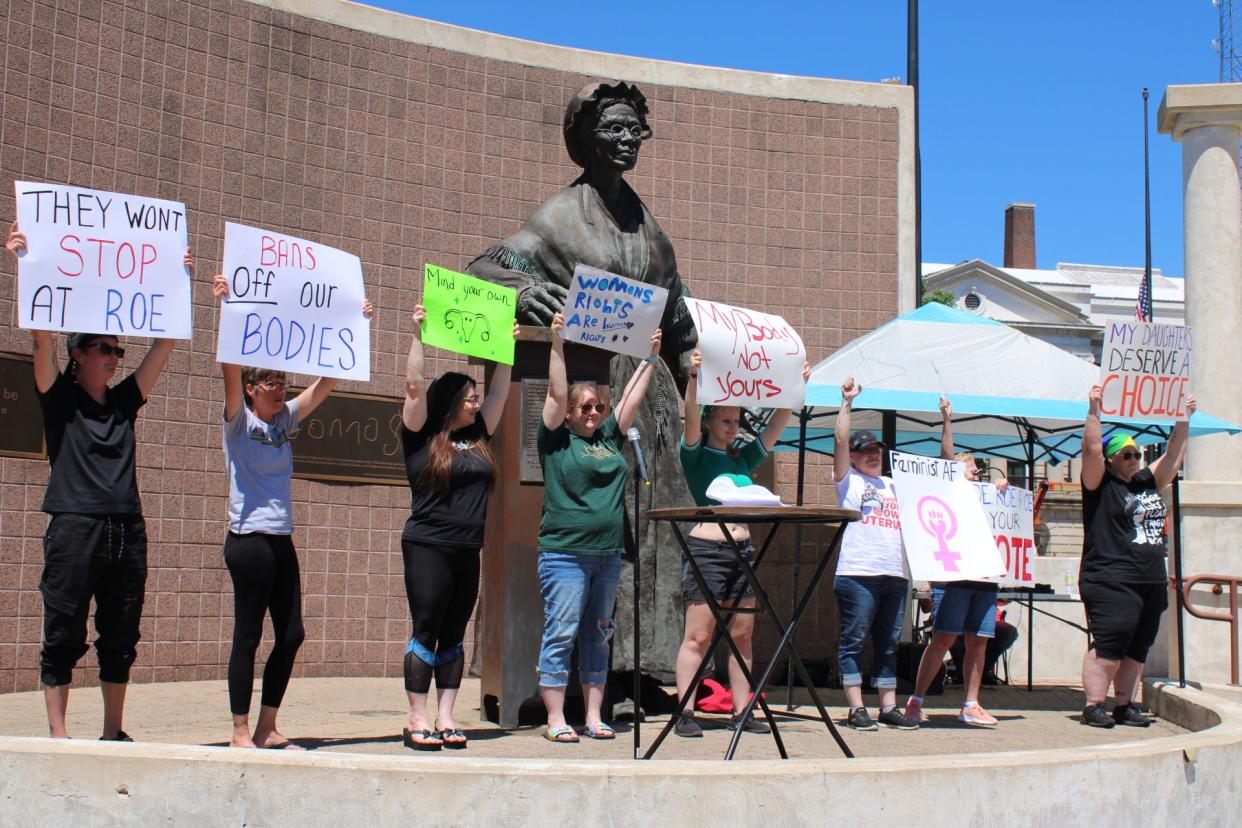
749, 358
292, 306
101, 262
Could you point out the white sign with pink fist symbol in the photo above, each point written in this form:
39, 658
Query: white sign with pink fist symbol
946, 533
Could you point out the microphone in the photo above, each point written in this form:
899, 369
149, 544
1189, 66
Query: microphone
633, 437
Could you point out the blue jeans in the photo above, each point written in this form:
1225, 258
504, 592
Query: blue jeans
578, 596
872, 605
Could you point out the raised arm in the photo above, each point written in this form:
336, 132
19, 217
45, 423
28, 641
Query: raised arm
234, 393
1092, 446
497, 393
414, 409
694, 422
636, 388
780, 417
556, 403
841, 432
148, 371
1166, 466
46, 366
313, 395
946, 429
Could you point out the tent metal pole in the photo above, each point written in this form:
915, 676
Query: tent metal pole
803, 416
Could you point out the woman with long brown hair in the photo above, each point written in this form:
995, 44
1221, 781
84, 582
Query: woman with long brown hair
446, 427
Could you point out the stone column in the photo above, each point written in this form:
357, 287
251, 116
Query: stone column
1207, 120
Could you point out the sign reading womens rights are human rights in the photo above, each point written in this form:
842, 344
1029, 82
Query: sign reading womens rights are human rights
468, 316
1145, 371
943, 526
293, 305
749, 357
101, 262
1011, 515
612, 312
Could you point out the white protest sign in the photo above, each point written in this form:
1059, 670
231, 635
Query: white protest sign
749, 358
943, 527
612, 312
100, 262
293, 305
1145, 371
1011, 515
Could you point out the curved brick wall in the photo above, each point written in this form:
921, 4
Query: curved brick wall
342, 124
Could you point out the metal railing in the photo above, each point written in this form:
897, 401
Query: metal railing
1218, 582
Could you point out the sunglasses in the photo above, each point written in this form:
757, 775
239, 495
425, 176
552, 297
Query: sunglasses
1129, 455
272, 385
107, 350
587, 408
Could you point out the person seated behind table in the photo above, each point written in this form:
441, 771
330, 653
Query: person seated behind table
1006, 636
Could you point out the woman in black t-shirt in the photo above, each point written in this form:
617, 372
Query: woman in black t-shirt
96, 541
1123, 579
445, 431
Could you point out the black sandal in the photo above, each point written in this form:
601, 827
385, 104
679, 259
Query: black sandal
424, 741
453, 738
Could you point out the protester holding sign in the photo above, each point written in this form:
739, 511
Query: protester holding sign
707, 451
581, 533
959, 608
258, 549
870, 584
446, 429
1123, 579
96, 540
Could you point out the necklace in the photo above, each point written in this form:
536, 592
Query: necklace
463, 445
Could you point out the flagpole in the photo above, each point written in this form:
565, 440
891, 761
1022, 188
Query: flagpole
1146, 291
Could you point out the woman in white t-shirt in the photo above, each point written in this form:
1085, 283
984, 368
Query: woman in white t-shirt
871, 584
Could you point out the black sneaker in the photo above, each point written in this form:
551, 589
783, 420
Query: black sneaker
751, 725
687, 727
859, 719
1096, 716
1131, 716
895, 718
121, 736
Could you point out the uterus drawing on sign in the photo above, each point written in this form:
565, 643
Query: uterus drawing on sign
467, 324
939, 521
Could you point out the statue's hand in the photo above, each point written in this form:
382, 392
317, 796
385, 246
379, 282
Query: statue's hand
541, 301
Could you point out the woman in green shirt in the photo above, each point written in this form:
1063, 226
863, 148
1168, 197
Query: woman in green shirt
580, 532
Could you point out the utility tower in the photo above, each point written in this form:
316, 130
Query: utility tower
1226, 45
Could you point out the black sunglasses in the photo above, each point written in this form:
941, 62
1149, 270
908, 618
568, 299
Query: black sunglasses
107, 350
1129, 455
587, 408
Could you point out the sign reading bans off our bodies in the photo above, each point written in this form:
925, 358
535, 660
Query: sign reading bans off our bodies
1011, 514
749, 358
612, 312
943, 526
101, 262
292, 306
1145, 371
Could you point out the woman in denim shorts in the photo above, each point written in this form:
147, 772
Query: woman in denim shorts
707, 451
581, 533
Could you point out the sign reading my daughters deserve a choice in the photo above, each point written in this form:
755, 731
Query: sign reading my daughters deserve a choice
293, 305
468, 316
1145, 371
101, 262
749, 358
612, 312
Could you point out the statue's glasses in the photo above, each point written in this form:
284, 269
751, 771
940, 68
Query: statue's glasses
620, 130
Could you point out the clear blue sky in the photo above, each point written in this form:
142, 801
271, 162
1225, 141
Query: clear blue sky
1038, 102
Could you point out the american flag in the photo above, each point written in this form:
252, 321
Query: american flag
1142, 310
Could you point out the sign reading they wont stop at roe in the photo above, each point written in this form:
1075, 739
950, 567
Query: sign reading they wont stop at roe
1145, 371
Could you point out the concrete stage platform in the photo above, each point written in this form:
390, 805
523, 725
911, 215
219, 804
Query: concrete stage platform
1038, 766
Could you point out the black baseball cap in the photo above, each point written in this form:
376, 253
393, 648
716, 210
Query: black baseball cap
81, 340
864, 441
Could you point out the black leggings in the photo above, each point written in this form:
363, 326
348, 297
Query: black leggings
265, 577
441, 585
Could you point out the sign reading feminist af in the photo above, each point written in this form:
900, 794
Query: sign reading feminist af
293, 305
1145, 371
1011, 514
101, 262
749, 358
612, 312
468, 316
943, 526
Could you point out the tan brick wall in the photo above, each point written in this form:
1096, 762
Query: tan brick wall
402, 153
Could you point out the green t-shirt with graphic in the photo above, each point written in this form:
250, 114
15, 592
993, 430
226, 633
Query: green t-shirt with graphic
703, 464
583, 490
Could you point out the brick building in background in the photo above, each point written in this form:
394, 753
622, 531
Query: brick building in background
404, 141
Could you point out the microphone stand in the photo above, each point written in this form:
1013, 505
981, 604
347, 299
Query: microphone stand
637, 689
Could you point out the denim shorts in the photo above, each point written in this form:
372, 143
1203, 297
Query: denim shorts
965, 608
720, 569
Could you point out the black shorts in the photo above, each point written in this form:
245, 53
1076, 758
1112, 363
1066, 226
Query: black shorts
1123, 618
721, 571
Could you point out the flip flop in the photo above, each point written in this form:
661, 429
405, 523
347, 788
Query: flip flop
427, 739
566, 734
453, 738
599, 731
285, 745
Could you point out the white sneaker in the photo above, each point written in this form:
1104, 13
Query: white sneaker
973, 714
